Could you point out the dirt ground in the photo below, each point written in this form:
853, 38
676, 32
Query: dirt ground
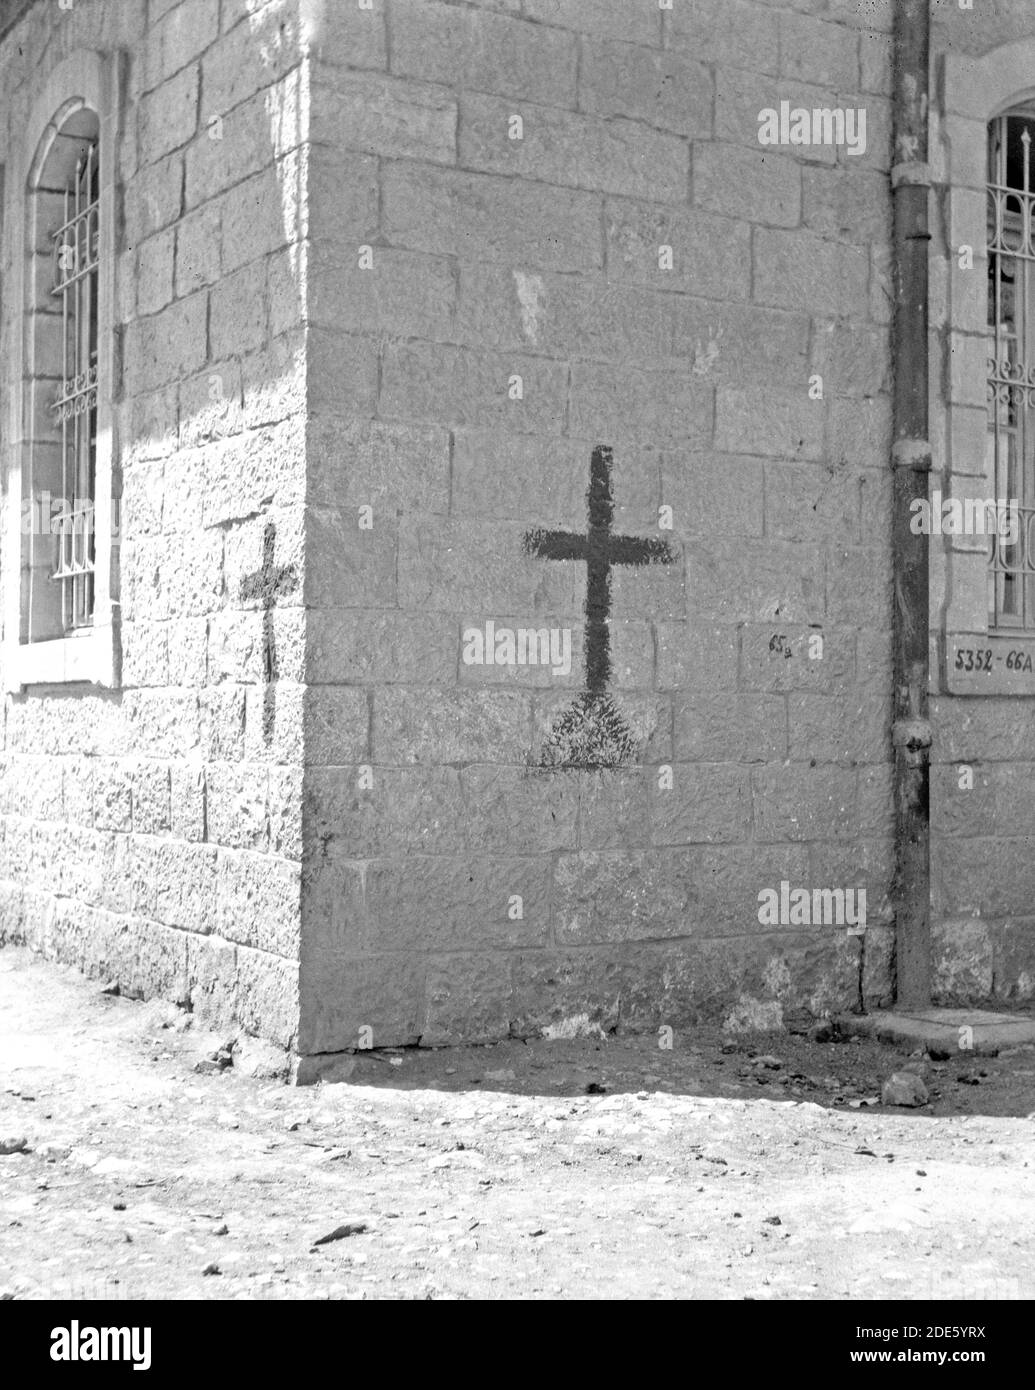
749, 1168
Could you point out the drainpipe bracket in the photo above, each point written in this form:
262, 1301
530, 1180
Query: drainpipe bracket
912, 453
913, 173
912, 734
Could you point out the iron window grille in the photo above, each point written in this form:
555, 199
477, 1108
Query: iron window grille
1011, 363
76, 281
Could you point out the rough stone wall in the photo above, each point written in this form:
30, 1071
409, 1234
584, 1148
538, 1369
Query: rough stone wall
983, 837
152, 834
439, 802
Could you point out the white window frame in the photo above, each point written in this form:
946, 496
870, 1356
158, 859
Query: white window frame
971, 92
85, 79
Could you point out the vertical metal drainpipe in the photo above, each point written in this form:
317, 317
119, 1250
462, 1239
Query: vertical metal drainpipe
911, 464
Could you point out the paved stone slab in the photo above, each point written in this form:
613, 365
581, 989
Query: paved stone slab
986, 1031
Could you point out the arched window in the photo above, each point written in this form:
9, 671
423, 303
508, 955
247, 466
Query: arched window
59, 570
983, 321
63, 372
1011, 379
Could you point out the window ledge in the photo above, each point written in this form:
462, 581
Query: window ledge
88, 659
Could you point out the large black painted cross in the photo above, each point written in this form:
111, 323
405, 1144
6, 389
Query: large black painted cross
266, 584
593, 732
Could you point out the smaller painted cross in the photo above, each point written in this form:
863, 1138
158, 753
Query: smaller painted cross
266, 584
593, 733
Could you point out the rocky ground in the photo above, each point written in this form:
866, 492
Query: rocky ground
759, 1168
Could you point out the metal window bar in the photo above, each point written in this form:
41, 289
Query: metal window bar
1011, 363
76, 245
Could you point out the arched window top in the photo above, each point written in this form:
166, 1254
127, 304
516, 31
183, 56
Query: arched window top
64, 141
980, 87
77, 94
